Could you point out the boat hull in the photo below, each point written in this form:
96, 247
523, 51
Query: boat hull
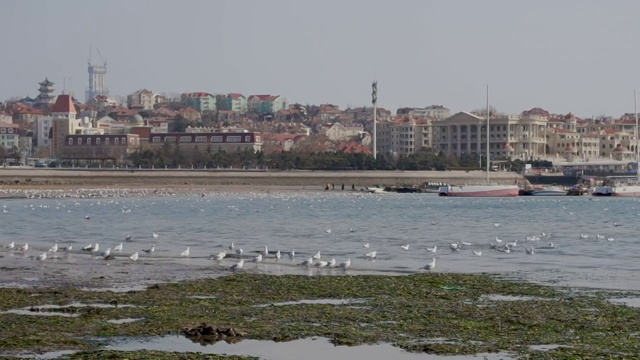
544, 193
629, 191
480, 191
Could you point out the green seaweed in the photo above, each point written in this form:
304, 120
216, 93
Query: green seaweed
407, 311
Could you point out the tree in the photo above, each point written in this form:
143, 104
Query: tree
179, 124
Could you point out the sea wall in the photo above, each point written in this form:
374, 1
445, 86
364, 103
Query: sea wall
136, 177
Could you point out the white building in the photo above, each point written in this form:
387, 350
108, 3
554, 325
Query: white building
42, 130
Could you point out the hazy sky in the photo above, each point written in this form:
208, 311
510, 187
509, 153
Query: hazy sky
560, 55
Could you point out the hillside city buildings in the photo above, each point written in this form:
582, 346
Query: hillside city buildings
109, 129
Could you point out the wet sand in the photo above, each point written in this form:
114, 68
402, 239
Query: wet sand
37, 177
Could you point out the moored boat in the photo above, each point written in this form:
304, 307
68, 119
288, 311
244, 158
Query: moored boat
479, 191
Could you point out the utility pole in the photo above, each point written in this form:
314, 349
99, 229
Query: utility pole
374, 101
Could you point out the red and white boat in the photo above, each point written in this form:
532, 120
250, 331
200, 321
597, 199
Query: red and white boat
480, 191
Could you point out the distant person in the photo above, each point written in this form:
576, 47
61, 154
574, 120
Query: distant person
326, 187
353, 187
333, 186
343, 187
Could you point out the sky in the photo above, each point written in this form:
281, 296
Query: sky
563, 56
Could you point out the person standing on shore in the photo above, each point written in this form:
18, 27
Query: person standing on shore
342, 187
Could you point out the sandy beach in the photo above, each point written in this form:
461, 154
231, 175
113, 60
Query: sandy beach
239, 179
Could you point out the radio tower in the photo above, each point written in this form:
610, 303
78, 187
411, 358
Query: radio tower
96, 78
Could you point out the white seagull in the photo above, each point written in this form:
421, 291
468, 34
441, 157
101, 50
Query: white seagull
24, 247
430, 265
155, 235
152, 249
477, 253
292, 254
345, 264
317, 256
41, 257
307, 262
322, 264
54, 248
237, 266
185, 253
433, 249
498, 240
332, 263
266, 251
238, 251
530, 251
610, 238
366, 245
257, 259
405, 247
278, 255
232, 246
371, 255
134, 256
219, 256
10, 245
118, 247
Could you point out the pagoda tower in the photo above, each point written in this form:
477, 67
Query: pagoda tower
46, 97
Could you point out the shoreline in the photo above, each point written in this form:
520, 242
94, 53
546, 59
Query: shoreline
36, 177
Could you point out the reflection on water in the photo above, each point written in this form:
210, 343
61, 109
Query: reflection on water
308, 349
288, 221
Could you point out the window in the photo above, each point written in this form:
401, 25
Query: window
234, 139
216, 139
116, 141
97, 141
257, 138
79, 141
201, 139
9, 131
185, 139
88, 141
247, 138
70, 141
124, 141
156, 139
169, 139
3, 130
106, 141
132, 141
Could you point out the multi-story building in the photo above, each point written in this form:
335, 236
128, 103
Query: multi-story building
266, 104
143, 99
45, 96
232, 102
201, 101
339, 132
509, 135
43, 129
404, 135
437, 112
64, 123
10, 137
213, 141
112, 148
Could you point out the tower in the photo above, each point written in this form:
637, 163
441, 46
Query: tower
96, 78
45, 97
64, 123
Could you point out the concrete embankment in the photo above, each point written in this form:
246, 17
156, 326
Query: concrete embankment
136, 177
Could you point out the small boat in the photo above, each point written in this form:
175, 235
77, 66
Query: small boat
375, 190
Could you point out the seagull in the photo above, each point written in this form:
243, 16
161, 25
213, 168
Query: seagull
67, 248
134, 256
257, 259
41, 257
430, 265
598, 236
351, 230
278, 255
232, 246
152, 249
87, 248
610, 238
322, 264
405, 247
307, 262
530, 251
496, 224
155, 235
24, 247
106, 253
292, 254
498, 240
238, 251
583, 236
10, 245
54, 248
433, 249
512, 244
219, 256
87, 217
328, 231
345, 264
366, 245
317, 256
237, 266
94, 249
118, 247
466, 243
266, 251
477, 253
127, 237
371, 255
616, 224
185, 253
332, 263
551, 245
454, 246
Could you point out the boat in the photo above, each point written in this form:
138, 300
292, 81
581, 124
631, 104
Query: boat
487, 190
545, 191
618, 186
375, 189
623, 185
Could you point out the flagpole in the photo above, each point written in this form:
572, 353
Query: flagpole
374, 101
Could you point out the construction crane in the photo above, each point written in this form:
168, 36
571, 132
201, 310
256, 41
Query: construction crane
104, 62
